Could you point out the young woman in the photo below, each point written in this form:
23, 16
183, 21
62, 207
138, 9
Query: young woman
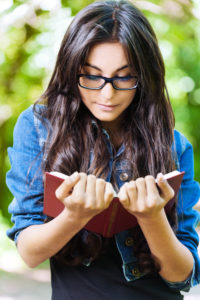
106, 121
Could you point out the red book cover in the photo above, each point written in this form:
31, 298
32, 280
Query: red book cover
112, 220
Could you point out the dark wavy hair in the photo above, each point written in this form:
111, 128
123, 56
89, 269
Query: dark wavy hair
147, 126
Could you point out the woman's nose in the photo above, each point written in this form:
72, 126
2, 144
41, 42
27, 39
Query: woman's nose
108, 91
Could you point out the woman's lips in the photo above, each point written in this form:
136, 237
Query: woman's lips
106, 107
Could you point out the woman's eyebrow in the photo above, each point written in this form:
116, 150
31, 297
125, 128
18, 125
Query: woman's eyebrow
95, 67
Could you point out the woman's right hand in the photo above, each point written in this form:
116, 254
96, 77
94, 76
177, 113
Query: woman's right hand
85, 195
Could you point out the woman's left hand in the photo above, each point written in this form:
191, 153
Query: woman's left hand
143, 199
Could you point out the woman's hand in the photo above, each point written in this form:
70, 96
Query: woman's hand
85, 195
143, 199
146, 201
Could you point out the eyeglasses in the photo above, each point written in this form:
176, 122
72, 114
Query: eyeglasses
93, 82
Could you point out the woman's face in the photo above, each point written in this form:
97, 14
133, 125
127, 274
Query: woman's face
107, 104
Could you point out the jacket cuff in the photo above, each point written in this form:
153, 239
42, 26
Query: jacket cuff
181, 285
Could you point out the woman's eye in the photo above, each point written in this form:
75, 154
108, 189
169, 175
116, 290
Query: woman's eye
124, 78
92, 77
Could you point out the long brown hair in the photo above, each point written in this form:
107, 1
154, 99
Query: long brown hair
147, 127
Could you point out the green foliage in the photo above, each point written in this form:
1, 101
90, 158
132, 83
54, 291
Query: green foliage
77, 5
30, 36
178, 32
4, 242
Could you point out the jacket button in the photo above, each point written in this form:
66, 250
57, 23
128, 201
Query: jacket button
129, 242
123, 176
136, 272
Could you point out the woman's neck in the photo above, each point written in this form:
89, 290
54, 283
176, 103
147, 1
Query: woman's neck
114, 131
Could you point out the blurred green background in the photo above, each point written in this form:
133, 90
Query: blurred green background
30, 35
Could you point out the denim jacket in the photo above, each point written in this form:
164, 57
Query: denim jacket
25, 181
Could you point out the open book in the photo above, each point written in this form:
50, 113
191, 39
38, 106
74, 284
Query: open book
112, 220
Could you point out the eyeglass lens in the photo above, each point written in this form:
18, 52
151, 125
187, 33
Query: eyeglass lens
97, 82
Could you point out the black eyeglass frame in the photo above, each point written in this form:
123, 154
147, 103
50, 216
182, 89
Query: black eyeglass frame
108, 80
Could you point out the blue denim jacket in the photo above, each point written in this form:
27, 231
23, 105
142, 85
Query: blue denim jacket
25, 181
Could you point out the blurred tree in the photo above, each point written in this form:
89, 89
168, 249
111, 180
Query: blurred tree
75, 6
31, 32
177, 25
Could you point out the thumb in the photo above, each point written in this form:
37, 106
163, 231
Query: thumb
65, 189
166, 191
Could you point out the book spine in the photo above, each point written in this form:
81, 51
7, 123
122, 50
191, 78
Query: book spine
110, 227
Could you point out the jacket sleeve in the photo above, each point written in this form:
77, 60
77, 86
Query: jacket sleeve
25, 178
188, 218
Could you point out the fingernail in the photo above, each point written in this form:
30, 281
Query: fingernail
74, 176
160, 177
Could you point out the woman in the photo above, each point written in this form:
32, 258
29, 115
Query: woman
106, 121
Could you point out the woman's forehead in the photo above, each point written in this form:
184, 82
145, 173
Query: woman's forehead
107, 56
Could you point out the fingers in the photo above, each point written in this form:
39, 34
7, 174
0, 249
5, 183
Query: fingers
100, 191
109, 194
86, 191
91, 190
141, 187
132, 190
132, 193
81, 184
123, 195
143, 198
66, 187
152, 191
140, 195
166, 190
